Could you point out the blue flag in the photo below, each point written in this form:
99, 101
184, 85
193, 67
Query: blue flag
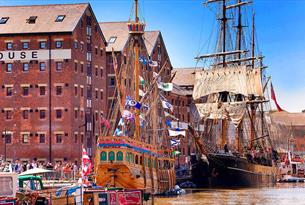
168, 123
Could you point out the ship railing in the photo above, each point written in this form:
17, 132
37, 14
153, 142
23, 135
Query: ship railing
127, 140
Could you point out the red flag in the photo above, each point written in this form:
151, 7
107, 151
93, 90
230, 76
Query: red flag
105, 122
274, 99
86, 164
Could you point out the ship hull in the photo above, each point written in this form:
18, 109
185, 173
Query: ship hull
125, 163
231, 171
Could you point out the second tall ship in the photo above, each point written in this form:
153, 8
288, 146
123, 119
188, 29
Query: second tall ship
236, 148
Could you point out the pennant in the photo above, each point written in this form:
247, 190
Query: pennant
133, 103
142, 121
167, 105
121, 122
175, 142
153, 63
142, 81
176, 152
274, 99
168, 123
174, 133
165, 86
141, 93
105, 122
143, 60
169, 115
86, 164
145, 106
127, 115
155, 75
118, 132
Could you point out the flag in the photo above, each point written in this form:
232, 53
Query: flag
153, 63
105, 122
118, 132
155, 75
142, 81
168, 123
175, 142
141, 93
176, 152
165, 86
167, 105
143, 60
174, 133
128, 115
86, 164
169, 115
274, 99
132, 103
121, 122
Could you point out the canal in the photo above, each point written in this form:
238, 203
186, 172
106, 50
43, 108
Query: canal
280, 194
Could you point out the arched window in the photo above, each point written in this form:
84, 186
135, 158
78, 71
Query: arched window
111, 156
137, 159
119, 156
149, 163
103, 156
145, 162
127, 157
131, 158
141, 160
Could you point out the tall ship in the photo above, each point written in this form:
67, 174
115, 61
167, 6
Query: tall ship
231, 102
135, 151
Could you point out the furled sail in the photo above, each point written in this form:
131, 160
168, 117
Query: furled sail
233, 111
235, 79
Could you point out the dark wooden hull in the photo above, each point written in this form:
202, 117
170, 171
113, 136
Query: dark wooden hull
231, 171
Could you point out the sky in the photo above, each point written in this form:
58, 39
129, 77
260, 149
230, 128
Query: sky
186, 27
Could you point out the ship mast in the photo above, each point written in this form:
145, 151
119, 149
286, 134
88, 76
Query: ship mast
136, 30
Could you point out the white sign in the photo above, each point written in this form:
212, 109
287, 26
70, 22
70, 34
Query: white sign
28, 55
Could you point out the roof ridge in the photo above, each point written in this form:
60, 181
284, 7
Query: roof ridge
113, 22
45, 5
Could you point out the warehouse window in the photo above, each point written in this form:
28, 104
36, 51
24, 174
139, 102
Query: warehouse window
58, 138
42, 44
25, 45
9, 67
25, 90
42, 114
42, 66
58, 66
60, 18
9, 45
8, 114
25, 138
58, 44
42, 138
25, 114
42, 90
58, 113
58, 90
9, 91
112, 39
25, 67
31, 20
3, 20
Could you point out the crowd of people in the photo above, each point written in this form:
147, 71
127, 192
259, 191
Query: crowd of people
60, 170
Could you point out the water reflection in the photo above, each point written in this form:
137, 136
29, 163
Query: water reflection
281, 194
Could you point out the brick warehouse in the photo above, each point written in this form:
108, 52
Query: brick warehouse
52, 60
